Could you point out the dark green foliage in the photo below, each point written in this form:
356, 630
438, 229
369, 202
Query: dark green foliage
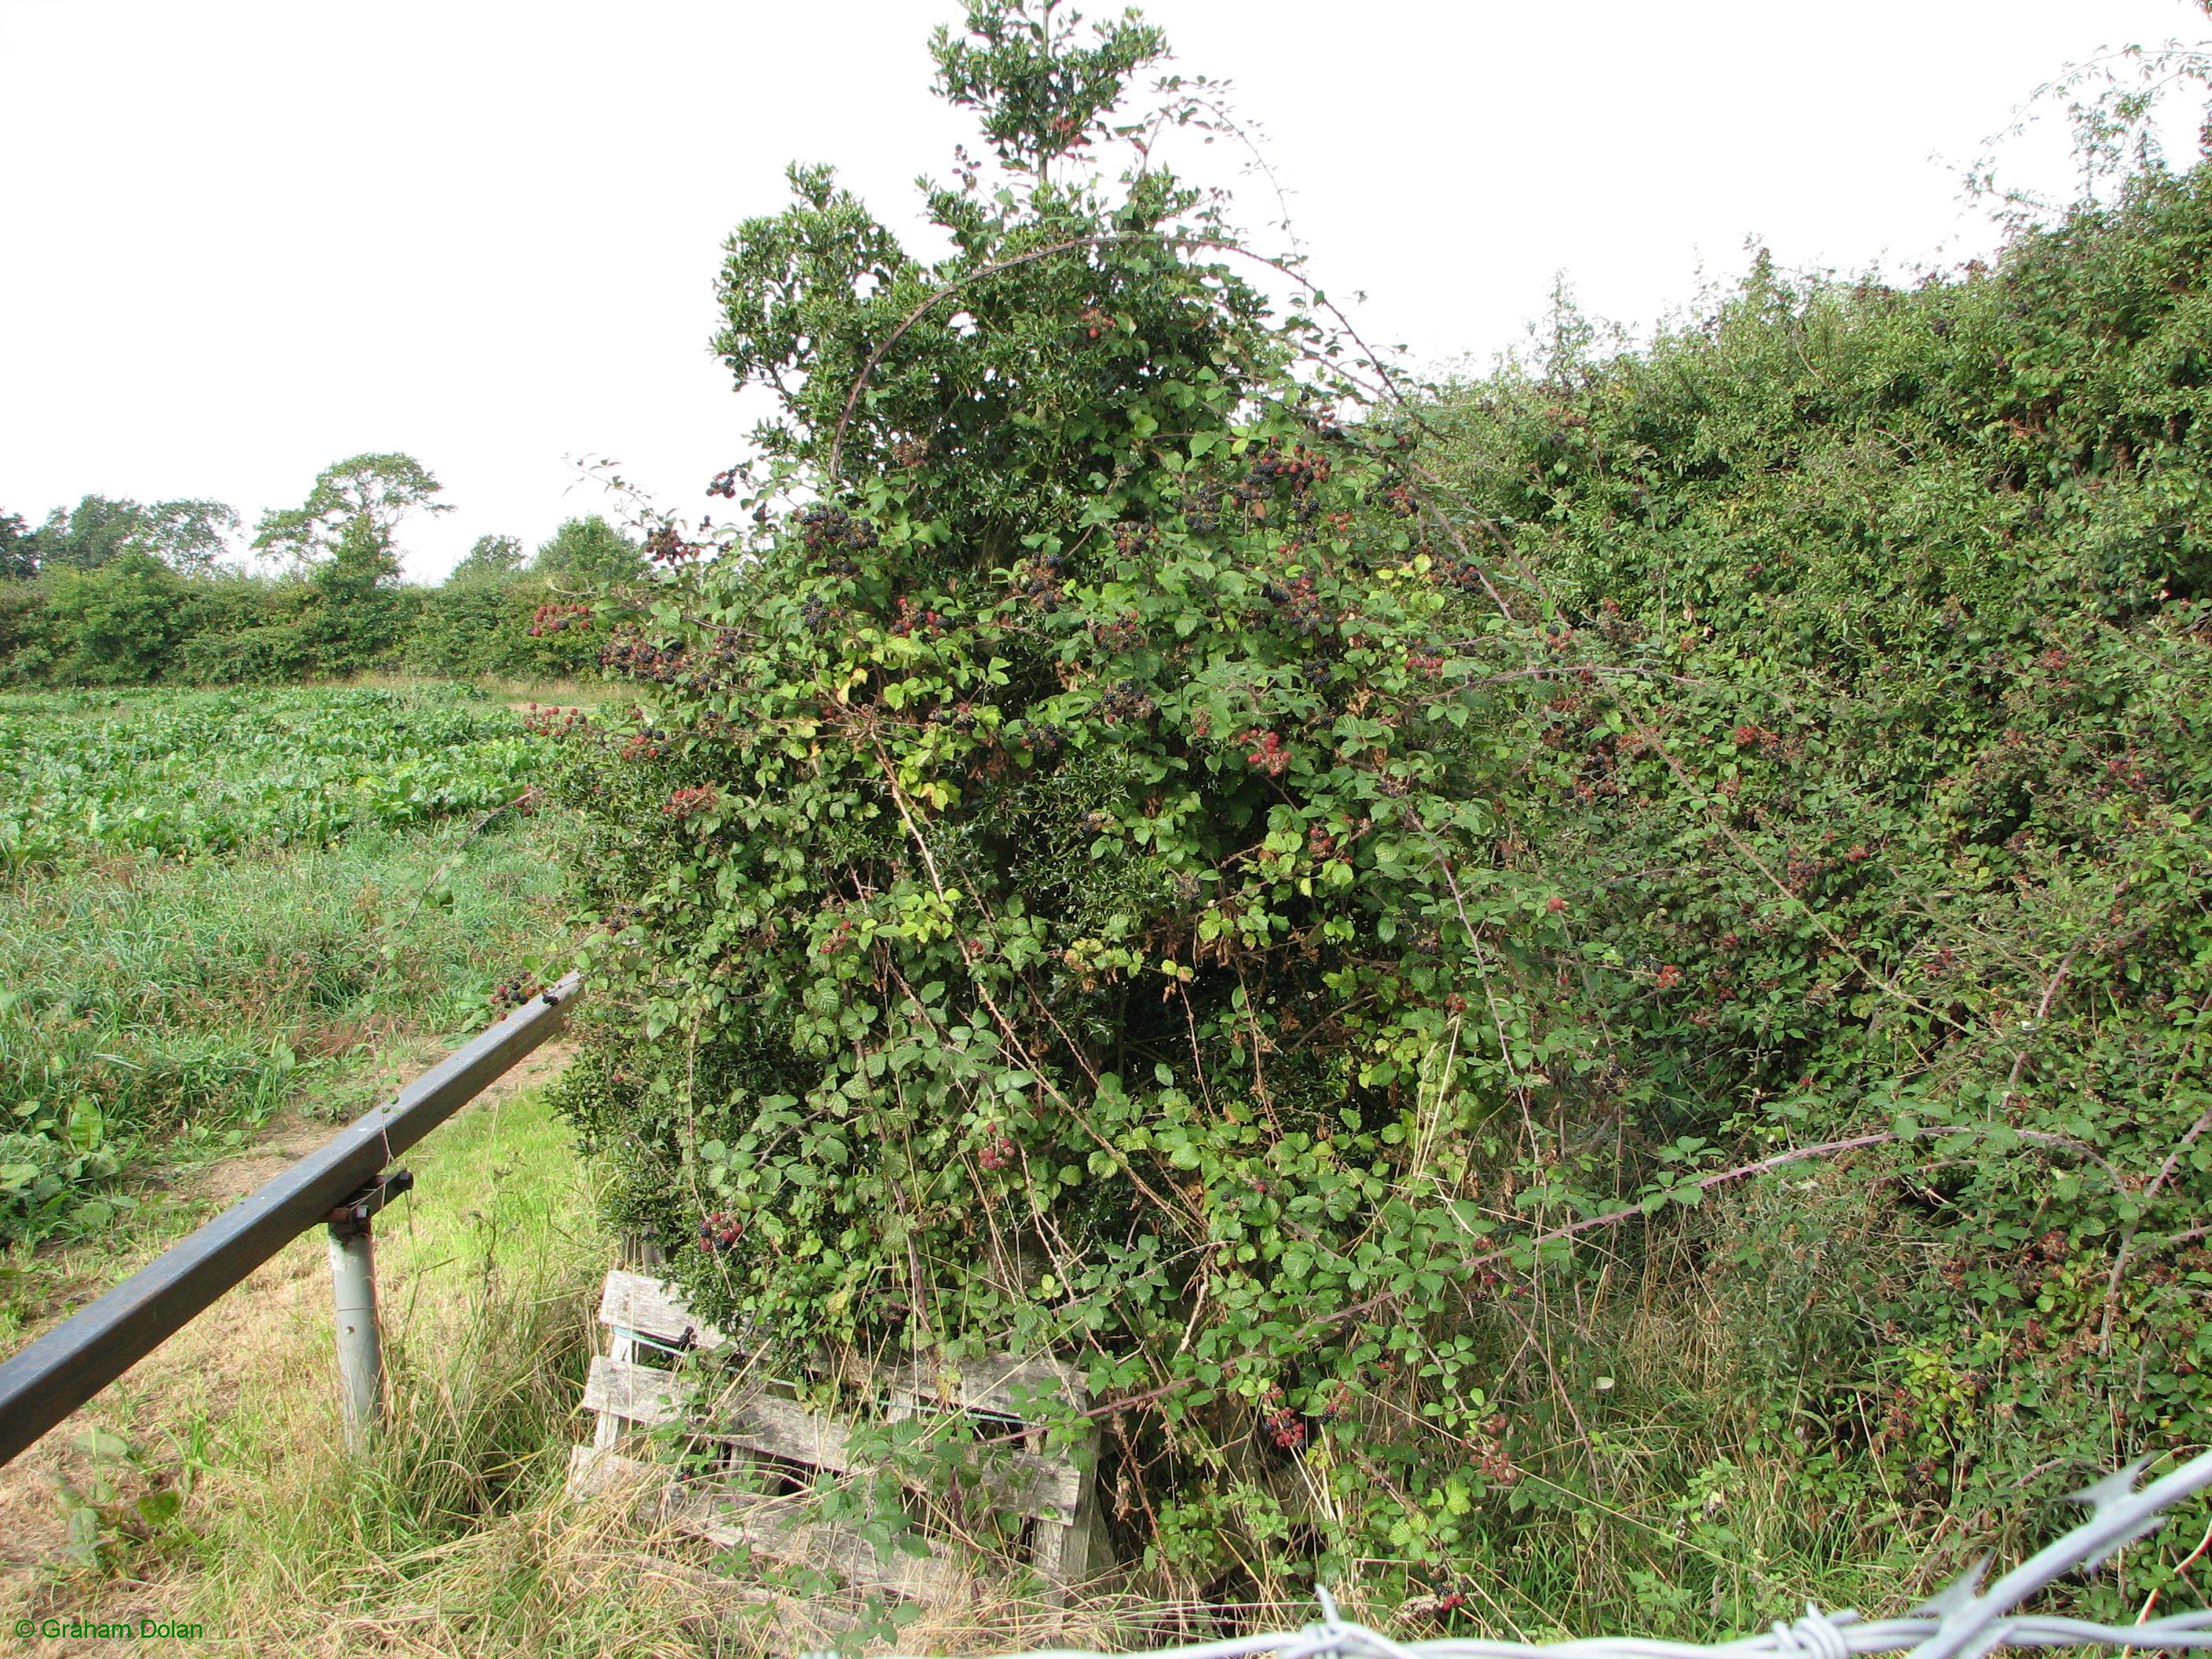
1075, 332
106, 593
1298, 916
1891, 745
253, 633
351, 513
1509, 976
19, 551
1038, 99
117, 622
187, 535
341, 538
469, 625
26, 629
135, 620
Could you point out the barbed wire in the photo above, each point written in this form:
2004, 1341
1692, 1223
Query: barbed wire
1963, 1621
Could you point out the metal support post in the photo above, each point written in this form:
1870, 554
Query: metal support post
52, 1377
353, 1287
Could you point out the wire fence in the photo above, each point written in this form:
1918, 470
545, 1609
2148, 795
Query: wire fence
1963, 1621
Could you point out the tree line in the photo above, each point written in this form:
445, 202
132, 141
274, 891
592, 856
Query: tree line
117, 591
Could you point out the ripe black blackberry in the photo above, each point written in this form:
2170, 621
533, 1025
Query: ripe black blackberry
720, 1231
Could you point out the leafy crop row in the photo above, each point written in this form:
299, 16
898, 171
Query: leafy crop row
214, 900
186, 774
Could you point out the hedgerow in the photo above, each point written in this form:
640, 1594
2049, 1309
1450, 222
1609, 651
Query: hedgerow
1140, 840
1890, 791
135, 619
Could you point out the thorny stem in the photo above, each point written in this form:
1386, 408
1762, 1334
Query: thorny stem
1106, 240
1612, 1217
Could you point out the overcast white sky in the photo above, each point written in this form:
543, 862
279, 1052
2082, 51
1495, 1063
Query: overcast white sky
243, 241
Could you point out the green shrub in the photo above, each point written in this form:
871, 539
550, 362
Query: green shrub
25, 628
533, 623
1890, 769
586, 552
47, 1168
1330, 925
1052, 892
118, 623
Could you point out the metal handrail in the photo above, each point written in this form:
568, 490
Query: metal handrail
45, 1382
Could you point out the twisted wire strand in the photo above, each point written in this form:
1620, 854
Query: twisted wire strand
1962, 1622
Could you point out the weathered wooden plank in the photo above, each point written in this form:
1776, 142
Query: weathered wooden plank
783, 1428
607, 1433
1070, 1553
1068, 1548
773, 1526
649, 1307
989, 1383
637, 1393
1049, 1487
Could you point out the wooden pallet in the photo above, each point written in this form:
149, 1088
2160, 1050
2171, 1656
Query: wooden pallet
750, 1425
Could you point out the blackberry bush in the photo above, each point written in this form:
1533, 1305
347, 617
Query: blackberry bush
1057, 883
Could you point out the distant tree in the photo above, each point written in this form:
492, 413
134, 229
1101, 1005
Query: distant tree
351, 514
96, 532
493, 558
19, 549
585, 551
185, 535
342, 538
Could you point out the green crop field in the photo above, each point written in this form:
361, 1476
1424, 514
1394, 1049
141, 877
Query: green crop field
214, 905
185, 774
